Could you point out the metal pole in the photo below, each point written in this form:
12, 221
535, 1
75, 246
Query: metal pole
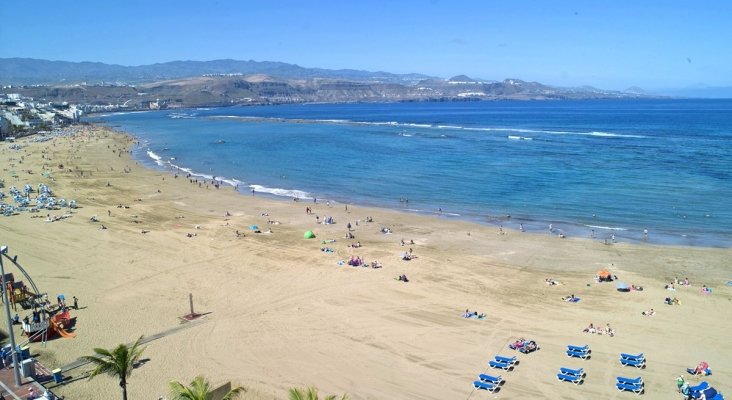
16, 370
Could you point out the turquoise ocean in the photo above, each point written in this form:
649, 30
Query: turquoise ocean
599, 168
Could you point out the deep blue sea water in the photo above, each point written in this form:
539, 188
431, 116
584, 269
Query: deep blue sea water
614, 166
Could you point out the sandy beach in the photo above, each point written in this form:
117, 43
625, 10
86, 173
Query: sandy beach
281, 313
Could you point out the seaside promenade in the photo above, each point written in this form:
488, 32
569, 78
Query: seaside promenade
11, 391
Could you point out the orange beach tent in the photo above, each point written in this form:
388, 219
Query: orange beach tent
603, 274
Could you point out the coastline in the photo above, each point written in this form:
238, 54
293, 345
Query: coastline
283, 313
566, 203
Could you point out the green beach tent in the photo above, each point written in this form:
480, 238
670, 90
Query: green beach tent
309, 235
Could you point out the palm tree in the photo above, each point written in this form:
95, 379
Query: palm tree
199, 389
310, 393
118, 362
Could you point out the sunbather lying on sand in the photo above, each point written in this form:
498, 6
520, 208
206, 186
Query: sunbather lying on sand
649, 313
552, 282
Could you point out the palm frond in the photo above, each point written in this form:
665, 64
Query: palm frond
199, 389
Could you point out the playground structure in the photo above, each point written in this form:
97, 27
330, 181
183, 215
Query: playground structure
18, 293
47, 320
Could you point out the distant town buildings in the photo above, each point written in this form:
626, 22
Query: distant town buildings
21, 116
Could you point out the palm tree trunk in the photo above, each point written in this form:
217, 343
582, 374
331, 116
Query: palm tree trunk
123, 384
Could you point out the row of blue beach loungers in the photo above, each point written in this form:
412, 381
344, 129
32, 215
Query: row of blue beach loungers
634, 385
622, 383
491, 383
576, 376
582, 352
633, 360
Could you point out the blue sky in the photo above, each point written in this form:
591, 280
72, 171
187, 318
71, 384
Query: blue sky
615, 44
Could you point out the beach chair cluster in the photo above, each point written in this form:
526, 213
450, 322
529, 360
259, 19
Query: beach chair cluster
635, 385
487, 382
504, 363
576, 376
582, 352
491, 383
633, 360
703, 391
23, 202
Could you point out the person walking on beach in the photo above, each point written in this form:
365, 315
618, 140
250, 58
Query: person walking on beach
76, 303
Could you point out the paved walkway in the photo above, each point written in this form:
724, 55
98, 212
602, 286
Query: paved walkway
10, 391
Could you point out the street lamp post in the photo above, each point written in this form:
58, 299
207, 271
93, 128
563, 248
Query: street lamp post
4, 252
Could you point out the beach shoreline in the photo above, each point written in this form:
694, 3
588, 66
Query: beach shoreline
555, 178
283, 313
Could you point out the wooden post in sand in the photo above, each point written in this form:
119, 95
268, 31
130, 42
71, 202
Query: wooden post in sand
190, 300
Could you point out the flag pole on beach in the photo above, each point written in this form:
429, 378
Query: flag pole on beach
13, 349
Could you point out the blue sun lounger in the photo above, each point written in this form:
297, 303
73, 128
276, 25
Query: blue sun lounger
500, 365
508, 360
624, 387
698, 388
633, 356
708, 393
570, 378
633, 363
495, 380
578, 354
480, 385
629, 381
576, 372
584, 349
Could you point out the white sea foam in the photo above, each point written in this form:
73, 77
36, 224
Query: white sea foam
109, 114
607, 228
449, 127
158, 160
292, 193
181, 116
430, 126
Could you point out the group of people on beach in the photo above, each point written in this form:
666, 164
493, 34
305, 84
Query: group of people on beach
599, 330
473, 314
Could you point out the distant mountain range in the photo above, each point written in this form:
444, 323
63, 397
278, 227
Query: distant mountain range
182, 84
29, 71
